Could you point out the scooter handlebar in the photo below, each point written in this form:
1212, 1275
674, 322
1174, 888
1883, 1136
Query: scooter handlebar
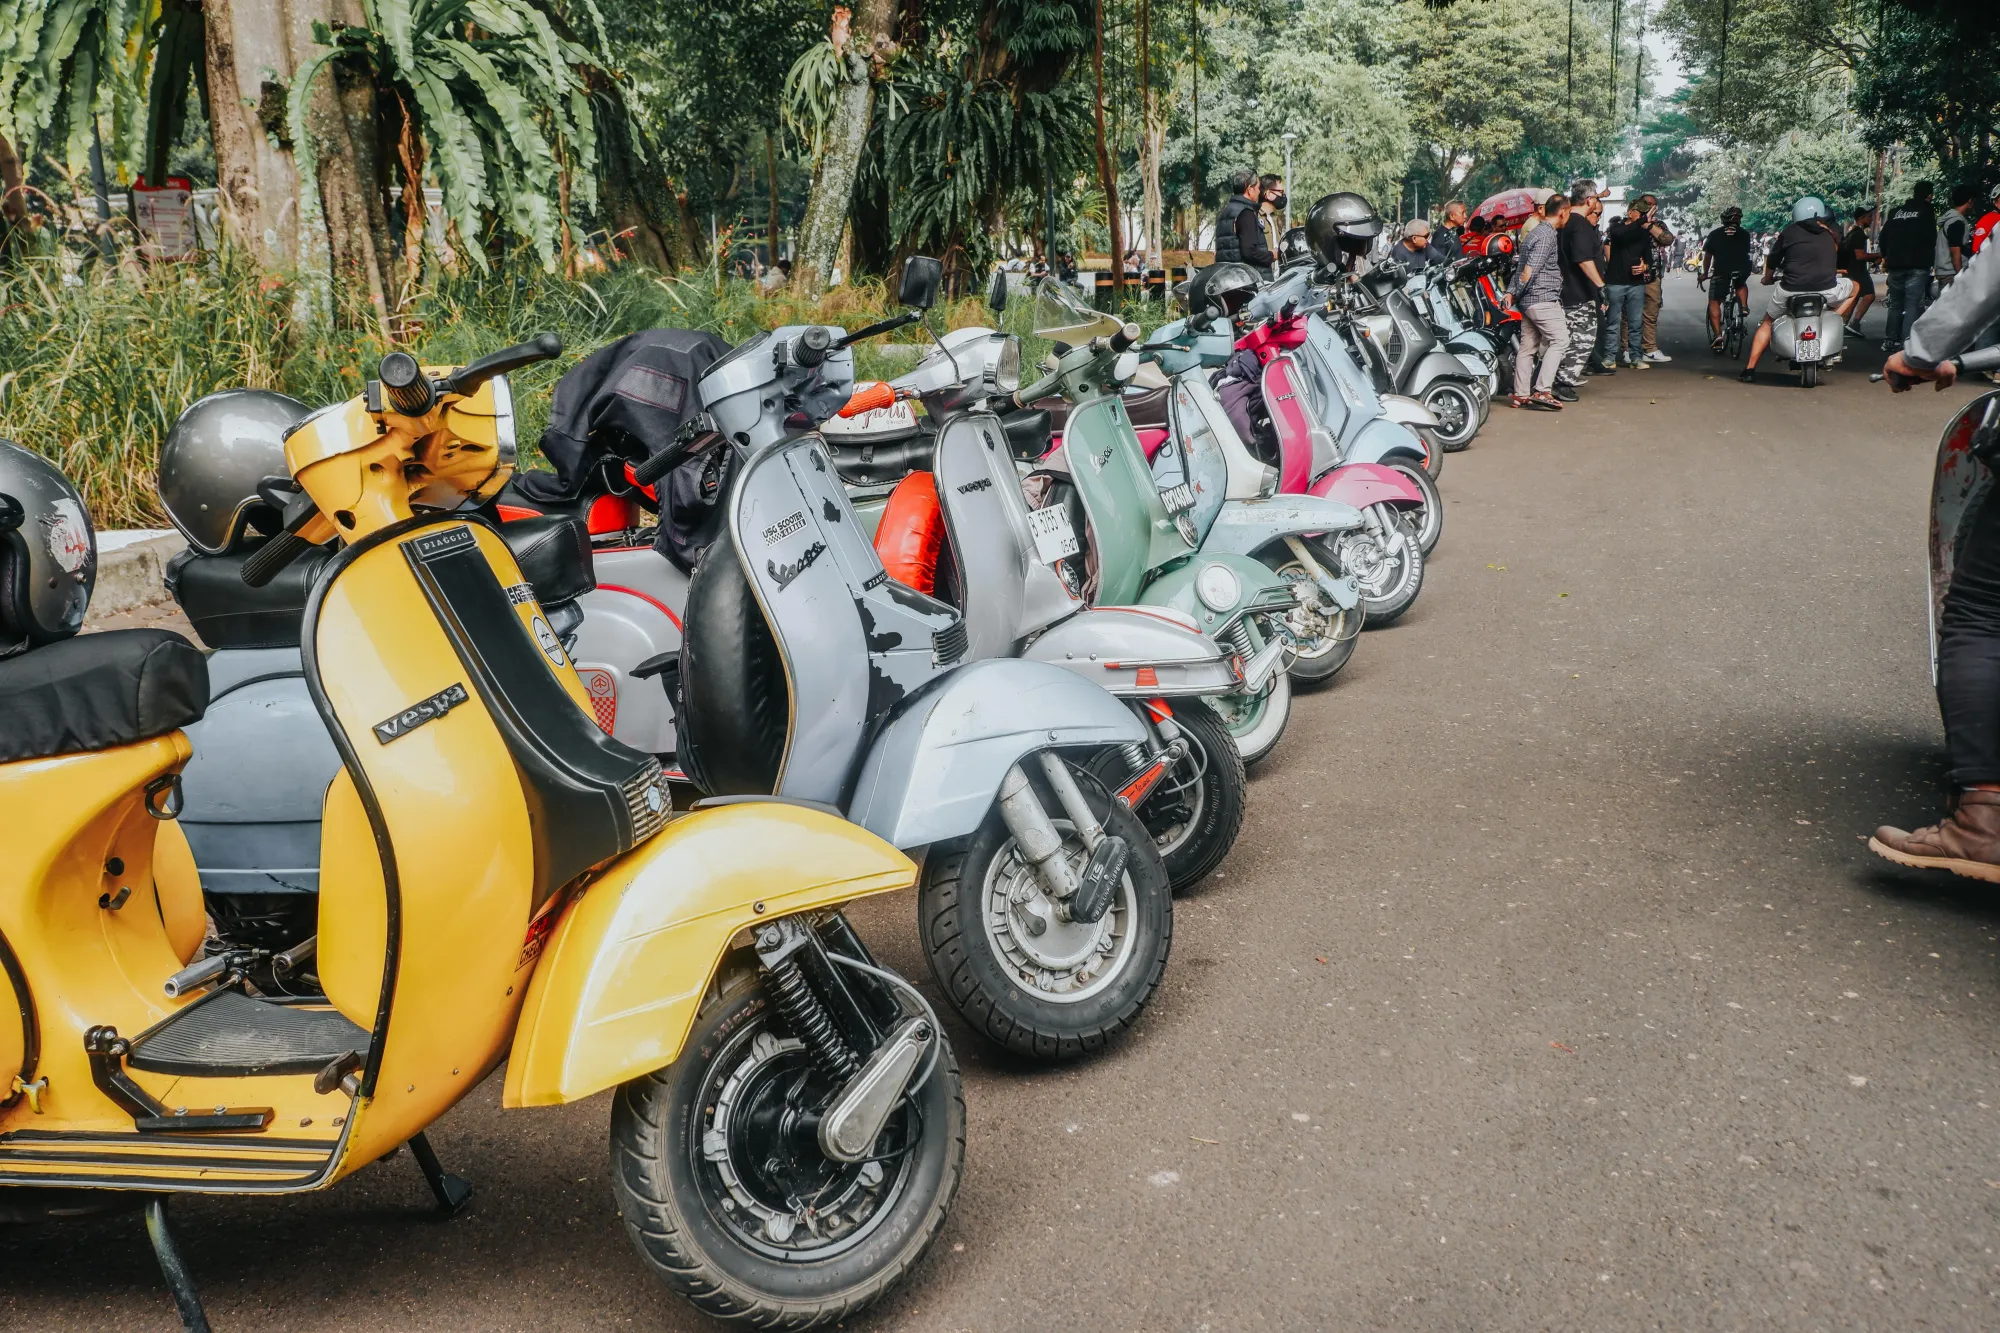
1125, 337
868, 398
541, 347
1038, 390
659, 465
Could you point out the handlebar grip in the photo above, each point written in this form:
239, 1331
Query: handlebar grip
405, 385
1125, 337
541, 347
810, 348
659, 465
268, 560
868, 398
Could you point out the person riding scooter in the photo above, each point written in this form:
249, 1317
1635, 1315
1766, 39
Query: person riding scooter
1967, 840
1804, 258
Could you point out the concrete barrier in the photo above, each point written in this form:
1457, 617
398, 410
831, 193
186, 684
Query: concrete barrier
131, 569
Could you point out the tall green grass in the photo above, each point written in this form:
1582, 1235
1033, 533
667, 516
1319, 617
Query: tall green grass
96, 363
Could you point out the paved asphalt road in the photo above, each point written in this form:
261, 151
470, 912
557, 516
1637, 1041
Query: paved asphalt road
1550, 986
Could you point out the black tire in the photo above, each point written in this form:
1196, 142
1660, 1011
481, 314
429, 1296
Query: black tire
1456, 405
1428, 520
1809, 376
673, 1210
1196, 810
953, 924
1310, 672
1732, 346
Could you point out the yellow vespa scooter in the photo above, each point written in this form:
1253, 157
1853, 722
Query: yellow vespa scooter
500, 880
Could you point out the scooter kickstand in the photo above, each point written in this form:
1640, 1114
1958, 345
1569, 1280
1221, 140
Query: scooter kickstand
453, 1192
179, 1281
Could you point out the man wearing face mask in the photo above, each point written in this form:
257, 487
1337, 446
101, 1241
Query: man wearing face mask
1273, 215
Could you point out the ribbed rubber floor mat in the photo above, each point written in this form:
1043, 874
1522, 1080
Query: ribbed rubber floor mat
231, 1033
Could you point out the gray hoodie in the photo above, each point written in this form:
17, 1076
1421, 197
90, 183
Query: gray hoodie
1969, 304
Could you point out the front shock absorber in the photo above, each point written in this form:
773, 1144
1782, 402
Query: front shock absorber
778, 945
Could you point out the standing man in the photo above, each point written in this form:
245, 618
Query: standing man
1909, 245
1957, 229
1664, 240
1630, 269
1537, 293
1854, 260
1580, 249
1239, 226
1415, 250
1270, 215
1450, 239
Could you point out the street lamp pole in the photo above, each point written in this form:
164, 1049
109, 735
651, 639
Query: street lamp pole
1290, 138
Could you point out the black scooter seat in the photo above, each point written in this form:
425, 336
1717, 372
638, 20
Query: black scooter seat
99, 691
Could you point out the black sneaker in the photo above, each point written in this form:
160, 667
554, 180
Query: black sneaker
1748, 376
1599, 368
1565, 392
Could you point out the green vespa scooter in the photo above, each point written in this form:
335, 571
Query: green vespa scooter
1144, 552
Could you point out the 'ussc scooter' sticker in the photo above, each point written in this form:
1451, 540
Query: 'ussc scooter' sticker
551, 646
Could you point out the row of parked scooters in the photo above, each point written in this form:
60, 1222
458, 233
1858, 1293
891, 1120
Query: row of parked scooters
577, 771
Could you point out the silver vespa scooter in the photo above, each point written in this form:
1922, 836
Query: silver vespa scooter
1186, 780
808, 673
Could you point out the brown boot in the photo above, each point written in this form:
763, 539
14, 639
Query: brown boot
1966, 843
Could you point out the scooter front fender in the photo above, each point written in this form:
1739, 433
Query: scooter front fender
623, 973
1364, 484
1406, 411
1259, 589
934, 770
1135, 652
1245, 527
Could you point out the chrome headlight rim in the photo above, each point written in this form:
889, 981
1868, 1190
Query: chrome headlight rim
1218, 588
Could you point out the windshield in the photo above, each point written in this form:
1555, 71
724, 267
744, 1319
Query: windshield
1062, 314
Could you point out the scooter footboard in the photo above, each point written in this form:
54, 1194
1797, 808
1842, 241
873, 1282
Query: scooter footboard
934, 770
1247, 526
623, 973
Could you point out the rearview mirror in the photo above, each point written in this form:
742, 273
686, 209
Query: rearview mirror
922, 276
996, 294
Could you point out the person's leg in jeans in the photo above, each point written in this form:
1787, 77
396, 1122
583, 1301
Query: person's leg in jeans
1635, 315
1910, 294
1969, 699
1607, 328
1548, 320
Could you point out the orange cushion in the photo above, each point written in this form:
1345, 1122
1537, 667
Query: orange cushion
912, 532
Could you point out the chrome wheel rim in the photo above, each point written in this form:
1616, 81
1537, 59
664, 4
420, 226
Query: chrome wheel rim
1068, 961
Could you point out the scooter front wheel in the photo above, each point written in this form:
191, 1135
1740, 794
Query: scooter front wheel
746, 1217
1195, 810
1007, 957
1324, 635
1387, 564
1427, 518
1256, 721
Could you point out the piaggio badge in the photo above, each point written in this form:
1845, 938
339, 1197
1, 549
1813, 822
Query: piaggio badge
428, 710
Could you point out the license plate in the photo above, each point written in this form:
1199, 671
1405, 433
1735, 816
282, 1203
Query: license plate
1054, 537
1178, 498
1808, 350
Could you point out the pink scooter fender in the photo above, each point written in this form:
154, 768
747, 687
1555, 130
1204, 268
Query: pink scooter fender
1364, 484
1151, 439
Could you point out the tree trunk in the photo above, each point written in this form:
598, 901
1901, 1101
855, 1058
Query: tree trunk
771, 177
1152, 141
254, 173
1105, 175
13, 203
865, 50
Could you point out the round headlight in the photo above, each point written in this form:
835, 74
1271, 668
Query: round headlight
1218, 588
1007, 364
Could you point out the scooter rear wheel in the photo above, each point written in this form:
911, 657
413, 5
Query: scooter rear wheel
1428, 520
707, 1181
1196, 810
1069, 989
1256, 723
1457, 408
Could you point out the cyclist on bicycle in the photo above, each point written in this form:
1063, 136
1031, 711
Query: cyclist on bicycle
1725, 264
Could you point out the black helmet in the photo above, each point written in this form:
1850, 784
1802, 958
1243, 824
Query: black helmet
48, 552
1293, 248
1340, 225
214, 457
1222, 289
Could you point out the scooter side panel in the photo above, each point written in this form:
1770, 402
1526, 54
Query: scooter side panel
1211, 453
624, 973
621, 629
1136, 654
1247, 526
1130, 527
989, 541
1383, 438
1960, 485
935, 769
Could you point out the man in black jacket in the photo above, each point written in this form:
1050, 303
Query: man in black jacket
1239, 227
1909, 248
